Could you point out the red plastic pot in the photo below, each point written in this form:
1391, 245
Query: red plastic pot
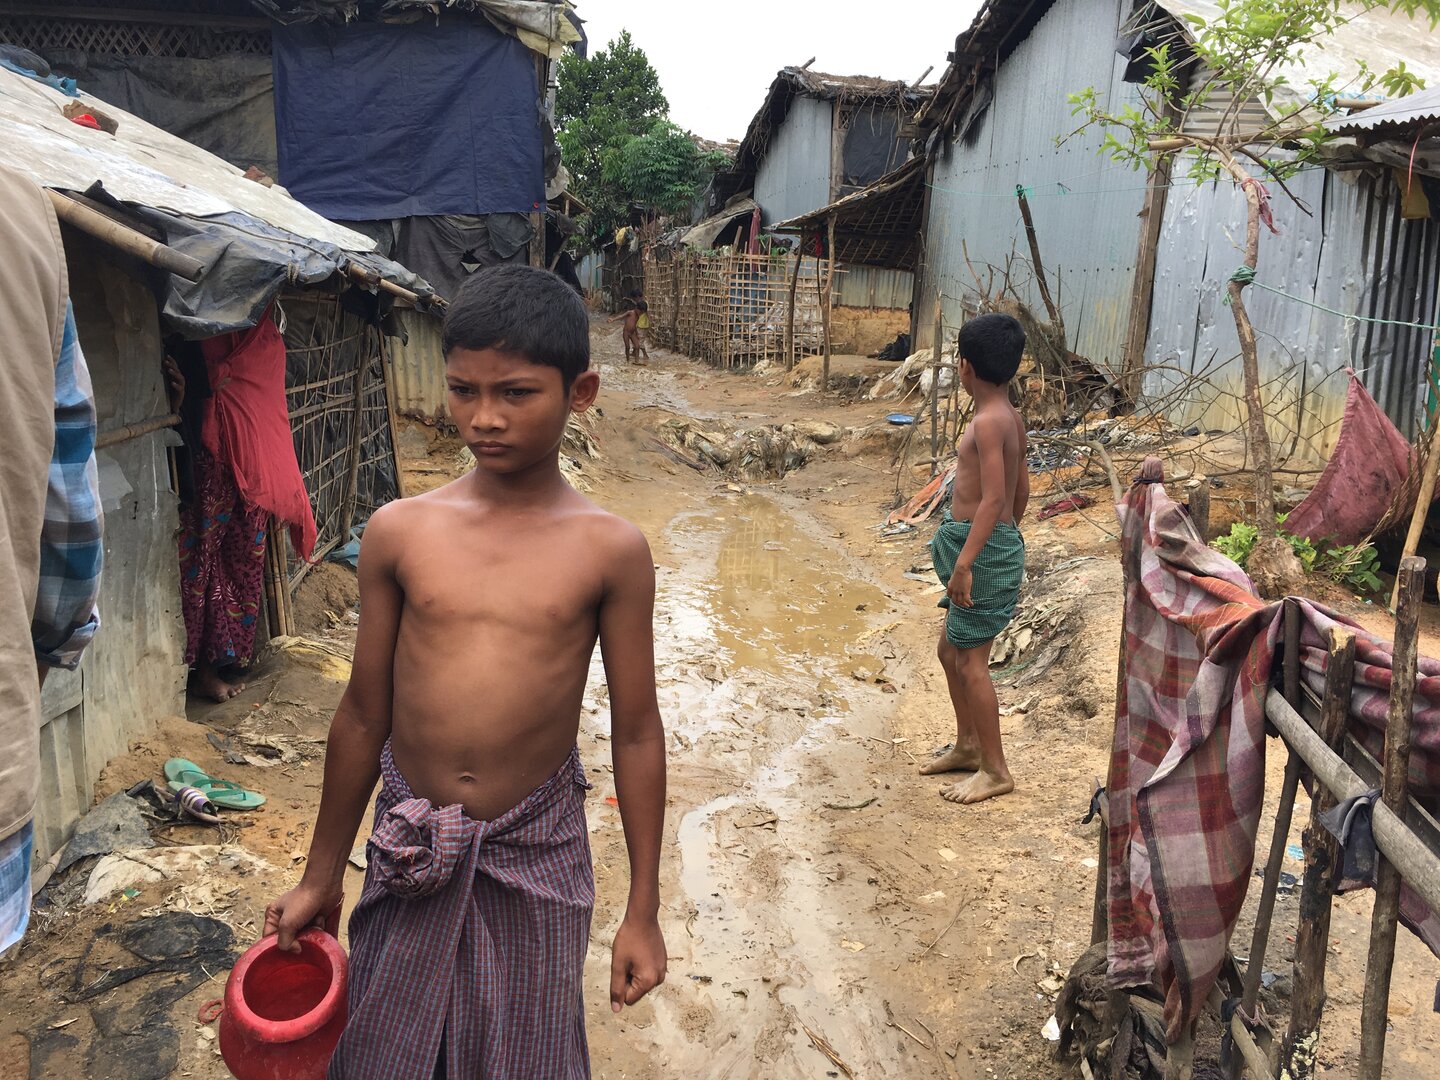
284, 1012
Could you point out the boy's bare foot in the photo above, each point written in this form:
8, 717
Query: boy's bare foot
956, 759
978, 788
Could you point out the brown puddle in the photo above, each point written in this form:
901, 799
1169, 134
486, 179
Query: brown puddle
761, 628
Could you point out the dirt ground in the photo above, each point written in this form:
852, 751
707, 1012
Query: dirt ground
827, 914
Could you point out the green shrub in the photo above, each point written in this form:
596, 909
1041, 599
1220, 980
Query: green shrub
1352, 565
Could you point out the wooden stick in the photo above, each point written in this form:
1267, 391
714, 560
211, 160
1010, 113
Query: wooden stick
829, 292
387, 376
1100, 914
125, 238
1056, 320
1395, 790
790, 306
119, 435
1283, 812
1312, 938
1250, 1053
367, 277
1423, 498
1200, 509
357, 447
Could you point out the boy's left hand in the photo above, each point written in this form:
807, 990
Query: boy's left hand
637, 961
959, 588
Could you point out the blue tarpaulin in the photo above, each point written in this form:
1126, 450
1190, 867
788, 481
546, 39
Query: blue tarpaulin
375, 120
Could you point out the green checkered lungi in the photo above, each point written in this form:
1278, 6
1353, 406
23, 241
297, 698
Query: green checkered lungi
995, 581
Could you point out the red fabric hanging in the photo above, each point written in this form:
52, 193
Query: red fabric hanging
1368, 466
247, 425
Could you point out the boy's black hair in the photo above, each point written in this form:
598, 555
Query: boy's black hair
993, 345
642, 306
524, 310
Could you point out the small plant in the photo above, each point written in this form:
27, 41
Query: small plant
1237, 544
1352, 565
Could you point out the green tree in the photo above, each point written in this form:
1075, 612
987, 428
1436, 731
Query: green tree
1192, 103
661, 170
601, 103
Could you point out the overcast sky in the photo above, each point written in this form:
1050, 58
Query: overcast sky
715, 60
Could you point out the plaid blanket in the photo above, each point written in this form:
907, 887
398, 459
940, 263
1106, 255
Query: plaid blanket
1187, 767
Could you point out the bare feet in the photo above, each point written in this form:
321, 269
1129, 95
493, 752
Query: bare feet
208, 683
956, 759
978, 788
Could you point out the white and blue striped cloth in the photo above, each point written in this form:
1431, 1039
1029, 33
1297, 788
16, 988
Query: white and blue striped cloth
15, 884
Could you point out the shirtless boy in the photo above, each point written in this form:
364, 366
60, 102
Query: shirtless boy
979, 555
629, 330
481, 604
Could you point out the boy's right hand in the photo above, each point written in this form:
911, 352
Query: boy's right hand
305, 905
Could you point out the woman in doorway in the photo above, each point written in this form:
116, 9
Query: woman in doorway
230, 392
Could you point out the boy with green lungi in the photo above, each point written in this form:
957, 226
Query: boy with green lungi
979, 554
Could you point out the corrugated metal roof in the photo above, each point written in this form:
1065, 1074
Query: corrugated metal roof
141, 164
1378, 39
1422, 107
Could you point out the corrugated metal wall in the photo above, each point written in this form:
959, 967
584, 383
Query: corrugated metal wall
1356, 255
589, 271
1088, 238
417, 367
133, 674
794, 175
871, 287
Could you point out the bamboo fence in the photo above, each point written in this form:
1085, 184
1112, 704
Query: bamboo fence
732, 309
340, 418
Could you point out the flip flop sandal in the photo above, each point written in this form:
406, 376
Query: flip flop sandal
182, 773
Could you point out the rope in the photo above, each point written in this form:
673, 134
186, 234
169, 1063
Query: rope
1244, 275
1032, 192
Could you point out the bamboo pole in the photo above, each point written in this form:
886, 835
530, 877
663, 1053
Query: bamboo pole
1395, 790
133, 431
1423, 499
829, 292
367, 277
1312, 938
357, 447
1100, 913
125, 238
935, 389
388, 378
790, 306
1283, 813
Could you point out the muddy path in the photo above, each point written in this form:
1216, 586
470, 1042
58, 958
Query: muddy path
826, 913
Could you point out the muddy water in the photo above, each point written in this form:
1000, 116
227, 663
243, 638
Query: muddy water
764, 635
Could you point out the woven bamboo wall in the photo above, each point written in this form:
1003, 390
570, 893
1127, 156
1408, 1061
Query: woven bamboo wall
731, 310
334, 379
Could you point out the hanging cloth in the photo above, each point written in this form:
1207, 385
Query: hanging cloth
247, 425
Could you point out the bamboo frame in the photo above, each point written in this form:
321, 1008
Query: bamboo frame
733, 310
341, 417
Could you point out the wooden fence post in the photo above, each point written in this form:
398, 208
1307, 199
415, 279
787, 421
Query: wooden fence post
1394, 791
1200, 509
1312, 938
829, 292
1265, 912
790, 305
